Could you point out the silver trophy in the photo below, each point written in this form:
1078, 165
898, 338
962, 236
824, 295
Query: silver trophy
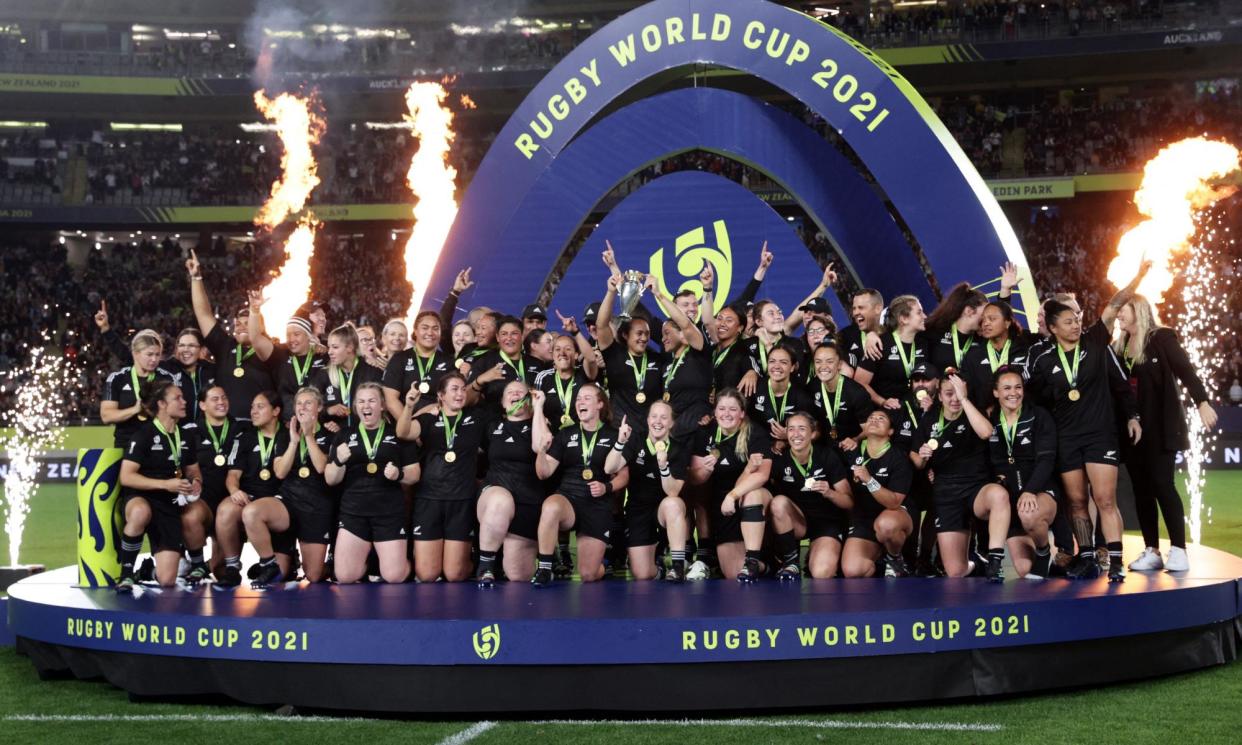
630, 291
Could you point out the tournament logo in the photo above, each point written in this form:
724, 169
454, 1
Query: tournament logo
692, 253
487, 641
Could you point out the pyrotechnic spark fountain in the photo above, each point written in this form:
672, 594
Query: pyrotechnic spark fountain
42, 387
431, 179
1175, 188
299, 127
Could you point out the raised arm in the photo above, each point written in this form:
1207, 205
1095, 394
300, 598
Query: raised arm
262, 343
794, 319
1123, 296
694, 337
198, 295
449, 308
978, 422
604, 333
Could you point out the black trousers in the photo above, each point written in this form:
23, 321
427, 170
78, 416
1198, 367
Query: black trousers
1151, 472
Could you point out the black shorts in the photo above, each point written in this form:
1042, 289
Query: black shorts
642, 523
592, 519
822, 520
955, 504
726, 528
1075, 452
1015, 521
375, 528
525, 522
164, 529
309, 525
436, 520
862, 524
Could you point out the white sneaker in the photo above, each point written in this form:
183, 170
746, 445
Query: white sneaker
1178, 561
697, 572
1148, 561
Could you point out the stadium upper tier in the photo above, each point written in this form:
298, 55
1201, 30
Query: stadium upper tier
103, 42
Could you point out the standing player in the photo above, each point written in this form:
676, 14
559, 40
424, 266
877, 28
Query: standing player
951, 326
778, 396
1001, 344
560, 383
887, 379
340, 380
121, 401
687, 375
492, 371
187, 368
866, 309
633, 372
421, 365
840, 404
294, 362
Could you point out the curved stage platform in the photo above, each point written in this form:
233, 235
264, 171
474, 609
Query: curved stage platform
631, 647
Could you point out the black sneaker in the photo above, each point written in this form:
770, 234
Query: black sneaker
749, 572
1083, 567
268, 575
228, 577
542, 578
791, 572
146, 572
1116, 572
979, 565
198, 573
1041, 566
486, 578
996, 569
564, 568
895, 566
252, 572
1060, 564
125, 583
676, 573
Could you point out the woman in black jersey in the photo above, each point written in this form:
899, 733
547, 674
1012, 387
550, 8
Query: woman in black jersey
729, 359
120, 404
583, 500
295, 361
778, 396
214, 435
538, 345
421, 365
1154, 359
1022, 448
887, 379
811, 498
252, 476
560, 383
303, 508
734, 459
395, 339
658, 466
1001, 343
370, 464
161, 486
840, 404
687, 366
817, 332
633, 371
186, 366
512, 494
339, 381
879, 523
946, 444
1078, 375
952, 325
492, 371
449, 435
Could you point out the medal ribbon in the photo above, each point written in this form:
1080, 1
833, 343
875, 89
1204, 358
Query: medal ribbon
587, 448
718, 357
564, 394
640, 378
1071, 374
672, 369
831, 410
804, 470
422, 371
300, 371
914, 421
133, 379
519, 368
651, 448
450, 430
866, 458
347, 382
906, 364
1008, 432
237, 354
997, 360
371, 447
217, 443
266, 444
779, 411
958, 350
302, 449
174, 441
517, 406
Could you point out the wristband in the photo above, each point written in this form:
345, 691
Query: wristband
873, 486
618, 446
665, 472
194, 278
607, 488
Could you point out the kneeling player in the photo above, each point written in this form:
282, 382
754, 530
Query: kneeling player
879, 524
811, 499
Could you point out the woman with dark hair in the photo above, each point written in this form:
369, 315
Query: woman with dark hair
632, 371
1078, 375
252, 476
687, 363
161, 486
340, 379
1002, 343
658, 466
583, 501
538, 344
840, 404
811, 499
120, 404
293, 362
729, 359
512, 494
370, 464
778, 396
421, 365
734, 460
449, 434
951, 326
185, 367
303, 508
215, 434
493, 370
887, 379
1153, 360
561, 382
879, 522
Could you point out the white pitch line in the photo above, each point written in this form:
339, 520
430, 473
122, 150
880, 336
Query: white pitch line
808, 723
468, 733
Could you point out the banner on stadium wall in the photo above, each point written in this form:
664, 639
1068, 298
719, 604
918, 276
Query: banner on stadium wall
193, 215
1032, 188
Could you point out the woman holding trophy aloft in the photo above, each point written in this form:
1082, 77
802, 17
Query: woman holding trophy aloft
633, 371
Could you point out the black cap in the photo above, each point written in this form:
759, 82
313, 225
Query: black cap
926, 371
817, 305
534, 311
589, 314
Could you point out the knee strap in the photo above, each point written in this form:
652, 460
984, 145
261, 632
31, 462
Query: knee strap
752, 513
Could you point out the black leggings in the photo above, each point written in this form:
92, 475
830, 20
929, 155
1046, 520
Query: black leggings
1151, 473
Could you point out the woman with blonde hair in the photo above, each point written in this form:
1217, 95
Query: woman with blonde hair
1153, 360
340, 379
121, 402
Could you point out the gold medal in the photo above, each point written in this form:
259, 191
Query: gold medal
238, 372
1074, 395
424, 387
808, 485
661, 446
640, 397
219, 460
667, 396
933, 443
587, 474
372, 468
450, 457
142, 417
1011, 460
460, 363
304, 472
265, 475
833, 433
177, 473
921, 394
566, 420
716, 453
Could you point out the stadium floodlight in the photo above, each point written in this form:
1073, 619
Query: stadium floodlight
19, 124
143, 127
